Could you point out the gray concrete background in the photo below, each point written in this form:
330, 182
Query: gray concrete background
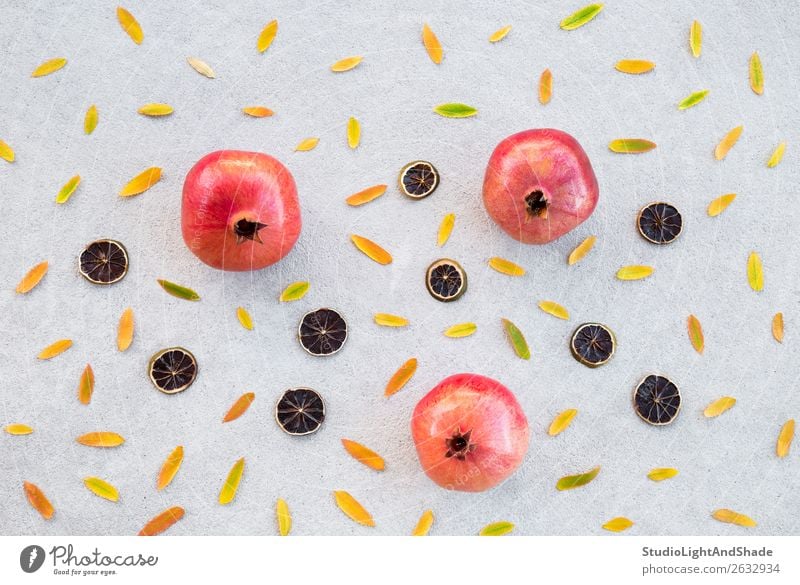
724, 462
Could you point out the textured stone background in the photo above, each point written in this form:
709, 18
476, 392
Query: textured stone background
724, 462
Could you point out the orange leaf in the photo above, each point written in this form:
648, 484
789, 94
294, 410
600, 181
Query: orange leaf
55, 349
258, 111
32, 278
86, 385
777, 327
365, 455
727, 142
432, 44
366, 195
350, 506
141, 182
125, 330
545, 87
634, 66
401, 377
239, 407
38, 500
101, 439
731, 517
695, 333
372, 250
163, 521
346, 64
170, 467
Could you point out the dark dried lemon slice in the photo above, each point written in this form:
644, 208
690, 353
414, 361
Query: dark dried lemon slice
172, 370
300, 411
104, 262
593, 344
418, 179
657, 400
446, 280
659, 223
322, 332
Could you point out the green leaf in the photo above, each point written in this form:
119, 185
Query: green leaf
68, 189
573, 481
179, 291
693, 99
455, 110
517, 340
631, 145
497, 529
581, 17
294, 292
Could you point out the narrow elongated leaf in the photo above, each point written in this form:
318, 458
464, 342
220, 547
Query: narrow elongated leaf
163, 521
258, 111
696, 38
504, 266
6, 152
401, 377
719, 406
756, 74
618, 524
720, 204
141, 182
352, 508
580, 17
86, 385
581, 250
777, 327
497, 529
424, 524
54, 349
267, 35
731, 517
389, 320
156, 110
130, 25
695, 330
170, 468
68, 189
545, 87
307, 144
755, 272
346, 64
561, 422
91, 119
18, 429
631, 145
517, 339
101, 488
774, 159
634, 272
125, 330
295, 291
49, 67
239, 407
231, 485
554, 309
499, 34
371, 250
785, 438
445, 229
366, 195
353, 133
38, 500
634, 66
284, 517
662, 473
693, 99
103, 439
461, 330
201, 67
244, 318
574, 481
33, 277
455, 110
432, 44
176, 290
727, 142
364, 455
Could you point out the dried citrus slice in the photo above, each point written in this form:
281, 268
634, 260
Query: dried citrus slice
659, 223
322, 332
657, 400
300, 411
104, 262
418, 179
172, 370
593, 344
446, 280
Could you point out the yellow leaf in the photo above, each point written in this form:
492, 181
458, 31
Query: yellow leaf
445, 229
284, 517
32, 278
401, 377
169, 468
258, 111
267, 35
777, 327
695, 333
350, 506
38, 500
662, 473
364, 455
156, 110
49, 67
696, 38
54, 349
353, 133
6, 152
631, 145
545, 87
372, 250
162, 521
504, 266
497, 529
68, 189
755, 272
634, 272
720, 204
774, 160
634, 66
90, 120
125, 330
366, 195
719, 406
561, 422
461, 330
581, 250
346, 64
101, 439
18, 429
295, 291
727, 142
306, 144
554, 309
756, 74
130, 25
244, 318
499, 34
573, 481
201, 67
239, 407
618, 524
424, 524
731, 517
785, 438
86, 385
432, 44
228, 491
101, 488
141, 182
389, 320
693, 99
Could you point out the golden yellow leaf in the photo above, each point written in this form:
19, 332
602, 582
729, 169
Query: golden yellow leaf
32, 278
581, 250
366, 195
125, 330
424, 524
6, 152
244, 318
727, 142
618, 524
662, 473
201, 67
231, 485
497, 529
163, 521
545, 87
634, 272
267, 35
731, 517
258, 111
101, 488
18, 429
68, 189
371, 250
130, 25
720, 204
156, 109
49, 67
777, 327
90, 120
755, 272
38, 500
696, 38
756, 74
554, 309
785, 438
389, 320
499, 34
461, 330
774, 160
54, 349
432, 44
353, 133
719, 406
561, 422
295, 291
695, 330
573, 481
364, 455
169, 468
346, 64
284, 517
504, 266
86, 385
239, 407
445, 229
634, 66
401, 377
307, 144
354, 510
141, 182
101, 439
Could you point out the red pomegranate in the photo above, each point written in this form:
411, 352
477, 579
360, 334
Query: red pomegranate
470, 433
240, 210
539, 184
